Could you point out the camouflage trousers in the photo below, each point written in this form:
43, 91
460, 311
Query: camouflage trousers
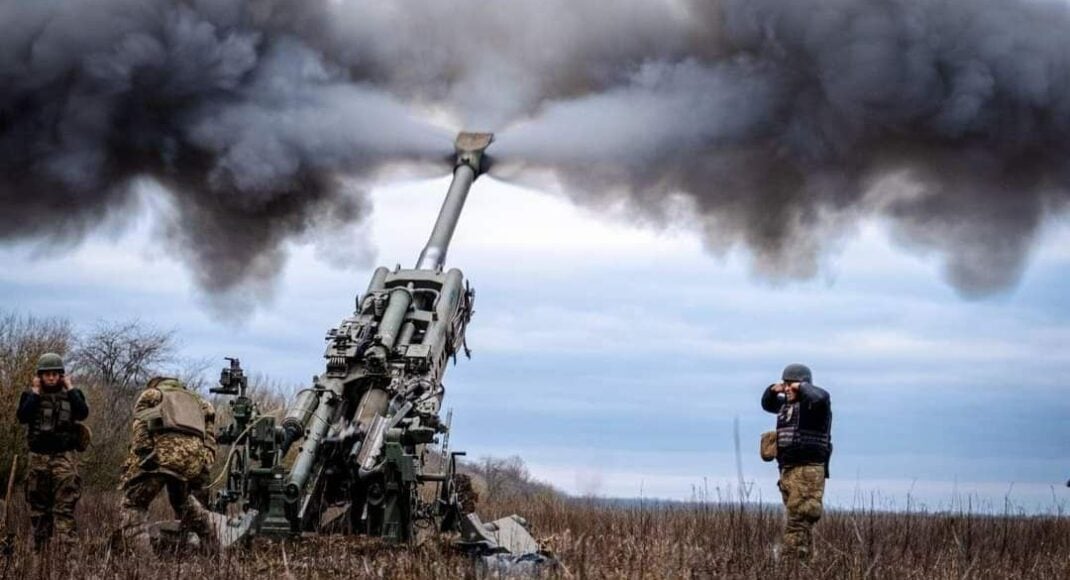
138, 494
53, 488
802, 488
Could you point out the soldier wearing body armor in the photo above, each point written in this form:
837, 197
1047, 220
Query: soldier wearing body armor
173, 448
51, 409
803, 449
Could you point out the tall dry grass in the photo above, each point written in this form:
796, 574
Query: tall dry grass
597, 540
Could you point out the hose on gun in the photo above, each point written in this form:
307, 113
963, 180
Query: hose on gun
233, 449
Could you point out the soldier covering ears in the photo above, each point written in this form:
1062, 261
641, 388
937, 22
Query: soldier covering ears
803, 449
52, 409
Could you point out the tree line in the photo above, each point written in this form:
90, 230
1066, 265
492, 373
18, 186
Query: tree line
111, 362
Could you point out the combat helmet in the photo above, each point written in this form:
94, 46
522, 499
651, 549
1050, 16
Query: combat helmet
797, 373
162, 382
50, 361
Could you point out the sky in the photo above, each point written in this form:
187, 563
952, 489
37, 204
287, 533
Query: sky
614, 357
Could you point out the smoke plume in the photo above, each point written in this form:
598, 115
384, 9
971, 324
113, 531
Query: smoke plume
227, 104
950, 118
779, 124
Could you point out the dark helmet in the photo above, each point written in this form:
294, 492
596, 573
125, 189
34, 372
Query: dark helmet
50, 361
796, 372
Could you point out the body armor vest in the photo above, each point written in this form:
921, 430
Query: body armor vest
179, 411
804, 445
53, 426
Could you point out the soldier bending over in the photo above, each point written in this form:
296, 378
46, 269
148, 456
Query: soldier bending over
173, 448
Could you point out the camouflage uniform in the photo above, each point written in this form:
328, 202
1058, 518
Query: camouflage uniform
53, 486
176, 461
803, 488
53, 489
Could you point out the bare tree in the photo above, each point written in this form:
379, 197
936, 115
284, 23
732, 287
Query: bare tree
507, 478
123, 355
194, 373
114, 360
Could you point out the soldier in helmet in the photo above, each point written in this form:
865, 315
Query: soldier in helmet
173, 448
803, 448
51, 409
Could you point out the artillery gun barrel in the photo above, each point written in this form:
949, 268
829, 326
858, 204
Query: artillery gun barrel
470, 148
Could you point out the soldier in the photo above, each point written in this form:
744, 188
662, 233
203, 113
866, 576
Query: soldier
803, 448
51, 409
173, 448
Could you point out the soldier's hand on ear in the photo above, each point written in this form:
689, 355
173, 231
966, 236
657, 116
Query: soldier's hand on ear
36, 386
66, 382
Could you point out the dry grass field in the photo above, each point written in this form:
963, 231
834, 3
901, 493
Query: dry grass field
596, 540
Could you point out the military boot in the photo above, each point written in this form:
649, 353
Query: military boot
133, 533
197, 518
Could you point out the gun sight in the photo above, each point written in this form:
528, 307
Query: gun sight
232, 379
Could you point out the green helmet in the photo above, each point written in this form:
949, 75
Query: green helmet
797, 373
50, 361
164, 383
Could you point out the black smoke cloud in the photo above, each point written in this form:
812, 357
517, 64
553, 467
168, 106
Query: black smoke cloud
778, 124
261, 119
950, 118
229, 105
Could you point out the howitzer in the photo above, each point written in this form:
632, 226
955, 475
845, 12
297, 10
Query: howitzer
350, 452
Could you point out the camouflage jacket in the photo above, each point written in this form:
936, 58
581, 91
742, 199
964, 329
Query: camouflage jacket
180, 454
